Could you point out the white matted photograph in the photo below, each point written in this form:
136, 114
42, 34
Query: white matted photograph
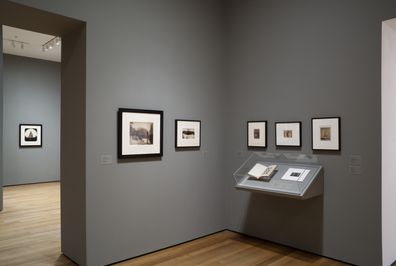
257, 134
187, 133
30, 135
326, 134
288, 134
139, 133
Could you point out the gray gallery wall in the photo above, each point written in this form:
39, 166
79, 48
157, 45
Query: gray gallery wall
31, 96
163, 55
285, 61
292, 61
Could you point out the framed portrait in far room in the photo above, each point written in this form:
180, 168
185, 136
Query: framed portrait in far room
139, 133
288, 134
30, 135
187, 133
326, 134
257, 134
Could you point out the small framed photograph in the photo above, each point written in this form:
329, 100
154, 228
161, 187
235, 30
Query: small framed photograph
326, 134
30, 135
187, 133
139, 133
288, 134
257, 134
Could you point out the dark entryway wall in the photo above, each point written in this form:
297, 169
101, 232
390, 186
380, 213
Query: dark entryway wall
1, 123
294, 60
72, 31
31, 96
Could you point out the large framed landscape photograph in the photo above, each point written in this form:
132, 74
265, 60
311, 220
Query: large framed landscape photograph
288, 134
257, 134
139, 133
30, 135
326, 134
187, 133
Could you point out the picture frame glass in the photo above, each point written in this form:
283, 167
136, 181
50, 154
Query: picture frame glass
140, 133
326, 133
30, 135
257, 134
288, 134
188, 133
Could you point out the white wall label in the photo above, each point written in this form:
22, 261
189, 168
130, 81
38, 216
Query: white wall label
106, 159
355, 160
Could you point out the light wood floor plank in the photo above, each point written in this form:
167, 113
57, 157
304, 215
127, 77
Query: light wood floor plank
30, 235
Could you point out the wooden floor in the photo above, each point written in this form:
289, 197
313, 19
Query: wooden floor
30, 235
30, 226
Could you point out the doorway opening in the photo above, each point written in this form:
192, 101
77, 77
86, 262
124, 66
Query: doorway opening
31, 146
72, 125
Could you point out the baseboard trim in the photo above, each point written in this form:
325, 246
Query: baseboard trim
35, 183
287, 246
247, 235
148, 253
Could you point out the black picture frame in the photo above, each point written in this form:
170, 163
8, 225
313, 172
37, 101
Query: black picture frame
22, 143
338, 118
248, 134
123, 155
288, 145
177, 144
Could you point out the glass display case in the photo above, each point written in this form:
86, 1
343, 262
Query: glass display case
297, 176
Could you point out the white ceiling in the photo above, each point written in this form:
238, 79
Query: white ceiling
32, 46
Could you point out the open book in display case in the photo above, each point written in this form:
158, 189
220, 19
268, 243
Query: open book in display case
298, 176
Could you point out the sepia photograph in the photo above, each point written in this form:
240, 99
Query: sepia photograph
257, 134
288, 133
141, 133
325, 133
188, 133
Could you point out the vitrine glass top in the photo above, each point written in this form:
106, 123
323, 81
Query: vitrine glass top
293, 176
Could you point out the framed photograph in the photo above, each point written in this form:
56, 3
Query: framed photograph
187, 133
326, 134
288, 134
30, 135
139, 133
257, 134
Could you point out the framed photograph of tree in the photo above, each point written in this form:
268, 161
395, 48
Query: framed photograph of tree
139, 133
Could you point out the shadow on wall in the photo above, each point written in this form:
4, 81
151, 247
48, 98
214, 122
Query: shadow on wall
296, 223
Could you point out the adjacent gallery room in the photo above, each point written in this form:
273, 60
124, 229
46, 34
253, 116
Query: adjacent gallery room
197, 132
31, 144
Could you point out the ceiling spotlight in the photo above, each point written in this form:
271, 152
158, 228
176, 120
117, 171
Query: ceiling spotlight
50, 44
13, 43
